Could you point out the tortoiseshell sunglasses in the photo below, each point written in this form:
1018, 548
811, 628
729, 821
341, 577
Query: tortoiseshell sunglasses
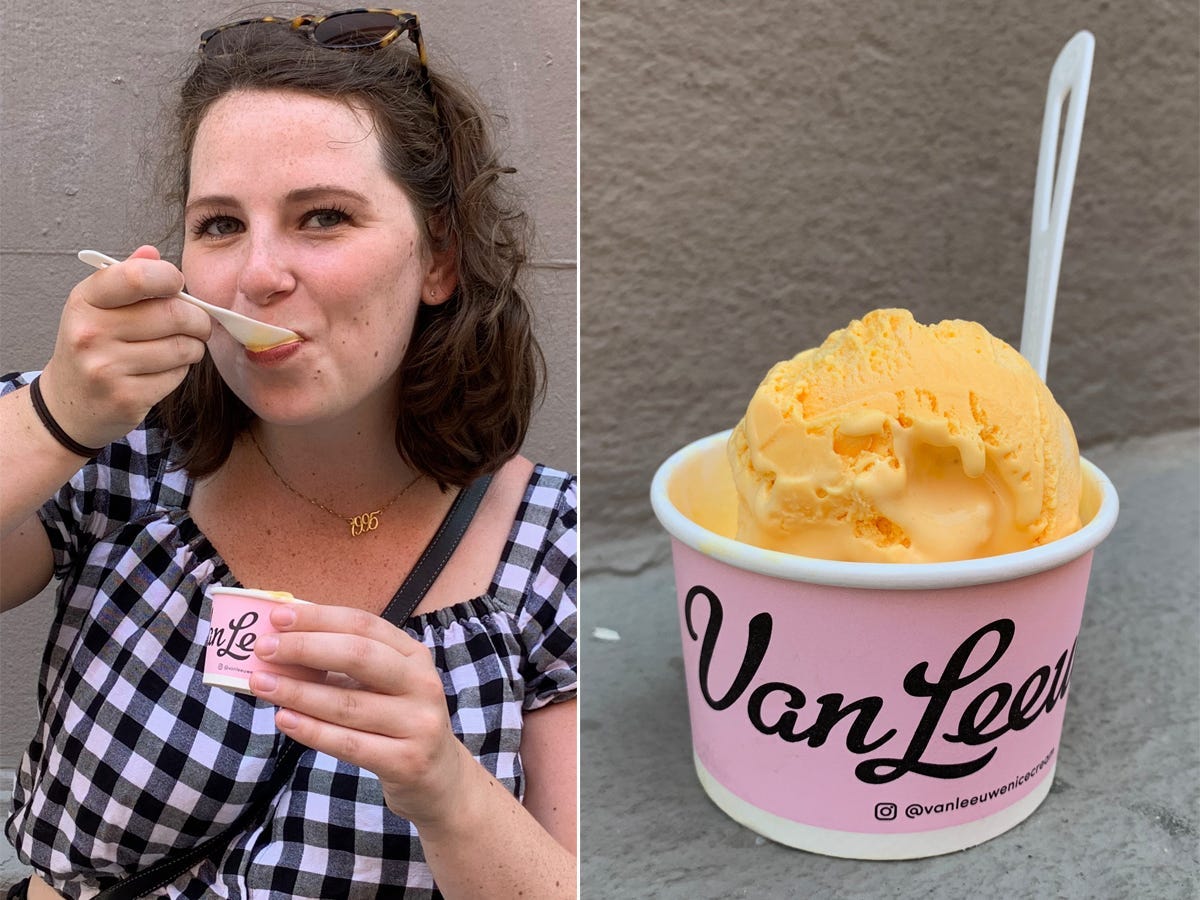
350, 29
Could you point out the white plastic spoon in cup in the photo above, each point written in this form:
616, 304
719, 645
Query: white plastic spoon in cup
254, 335
1070, 77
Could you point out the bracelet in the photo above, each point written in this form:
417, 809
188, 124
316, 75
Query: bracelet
56, 430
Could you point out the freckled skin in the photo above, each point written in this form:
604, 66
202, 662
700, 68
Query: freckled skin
325, 263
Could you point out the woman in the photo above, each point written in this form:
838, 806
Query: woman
334, 186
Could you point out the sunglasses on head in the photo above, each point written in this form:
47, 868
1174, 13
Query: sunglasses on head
350, 29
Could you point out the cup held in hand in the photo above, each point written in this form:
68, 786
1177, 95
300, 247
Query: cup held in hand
240, 617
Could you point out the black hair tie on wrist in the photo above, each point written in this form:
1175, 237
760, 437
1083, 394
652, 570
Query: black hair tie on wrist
56, 430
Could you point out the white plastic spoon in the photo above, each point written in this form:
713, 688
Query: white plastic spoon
1070, 77
253, 334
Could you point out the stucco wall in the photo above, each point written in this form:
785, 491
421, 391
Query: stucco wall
81, 88
757, 175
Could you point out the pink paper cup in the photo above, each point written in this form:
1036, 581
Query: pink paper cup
871, 710
239, 618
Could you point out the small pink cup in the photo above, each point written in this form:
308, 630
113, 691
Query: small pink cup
241, 616
871, 710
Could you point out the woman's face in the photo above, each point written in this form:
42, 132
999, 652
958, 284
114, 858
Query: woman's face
291, 219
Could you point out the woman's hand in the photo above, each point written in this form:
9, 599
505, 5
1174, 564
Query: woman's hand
382, 706
386, 712
124, 342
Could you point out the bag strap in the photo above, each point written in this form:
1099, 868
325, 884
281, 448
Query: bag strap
438, 552
165, 871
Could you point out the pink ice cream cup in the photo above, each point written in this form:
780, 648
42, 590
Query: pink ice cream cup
872, 710
240, 617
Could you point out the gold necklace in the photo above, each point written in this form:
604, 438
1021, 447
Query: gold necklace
359, 524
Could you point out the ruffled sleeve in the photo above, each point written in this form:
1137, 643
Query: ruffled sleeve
105, 491
66, 516
546, 619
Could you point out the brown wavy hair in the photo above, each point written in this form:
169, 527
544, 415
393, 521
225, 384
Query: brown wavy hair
472, 370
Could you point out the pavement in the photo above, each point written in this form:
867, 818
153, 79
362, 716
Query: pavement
1121, 820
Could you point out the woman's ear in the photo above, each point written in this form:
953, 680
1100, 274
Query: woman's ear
442, 277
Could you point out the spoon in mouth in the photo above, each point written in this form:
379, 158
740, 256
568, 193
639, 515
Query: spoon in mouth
254, 335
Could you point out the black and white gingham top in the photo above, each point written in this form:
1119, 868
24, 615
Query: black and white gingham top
135, 757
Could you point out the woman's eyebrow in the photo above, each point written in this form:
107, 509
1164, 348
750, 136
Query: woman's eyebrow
299, 195
317, 191
219, 200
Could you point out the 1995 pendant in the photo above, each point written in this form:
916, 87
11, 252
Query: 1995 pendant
364, 523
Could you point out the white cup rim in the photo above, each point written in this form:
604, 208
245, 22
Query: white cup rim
880, 576
255, 594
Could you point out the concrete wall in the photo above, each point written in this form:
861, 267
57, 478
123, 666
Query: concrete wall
81, 86
756, 175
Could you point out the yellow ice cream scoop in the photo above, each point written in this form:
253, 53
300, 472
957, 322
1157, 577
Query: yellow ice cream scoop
900, 442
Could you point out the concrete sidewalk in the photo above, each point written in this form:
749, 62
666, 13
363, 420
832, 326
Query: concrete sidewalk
1121, 820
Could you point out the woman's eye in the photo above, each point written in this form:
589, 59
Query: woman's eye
218, 226
325, 218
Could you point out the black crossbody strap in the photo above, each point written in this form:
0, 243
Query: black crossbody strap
438, 553
441, 547
167, 870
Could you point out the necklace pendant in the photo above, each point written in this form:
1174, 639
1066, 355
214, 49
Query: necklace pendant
364, 523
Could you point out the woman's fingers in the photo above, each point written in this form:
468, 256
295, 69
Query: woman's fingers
124, 342
150, 357
370, 662
316, 617
391, 718
137, 278
360, 748
407, 742
161, 354
381, 754
146, 319
354, 709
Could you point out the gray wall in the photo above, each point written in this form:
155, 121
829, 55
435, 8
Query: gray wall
756, 175
81, 88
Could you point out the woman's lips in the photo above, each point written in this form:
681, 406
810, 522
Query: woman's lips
274, 355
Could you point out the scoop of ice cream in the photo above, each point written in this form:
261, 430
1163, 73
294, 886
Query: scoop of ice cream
899, 442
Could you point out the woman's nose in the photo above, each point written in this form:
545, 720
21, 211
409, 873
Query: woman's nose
265, 275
